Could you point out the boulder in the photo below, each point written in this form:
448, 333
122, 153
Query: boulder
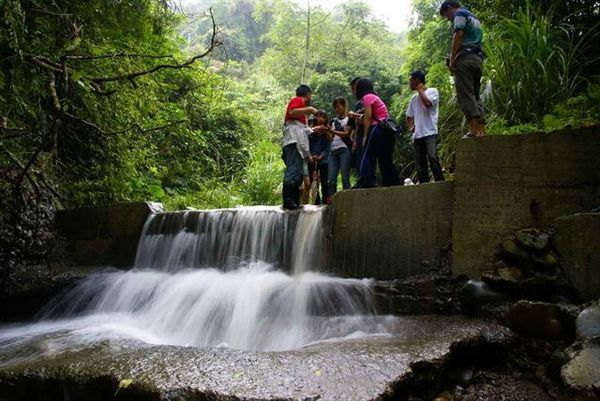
588, 322
533, 238
582, 373
541, 320
478, 293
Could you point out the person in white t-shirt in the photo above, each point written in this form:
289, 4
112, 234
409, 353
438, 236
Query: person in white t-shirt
340, 155
421, 119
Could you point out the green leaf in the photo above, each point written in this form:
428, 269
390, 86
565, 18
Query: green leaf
156, 191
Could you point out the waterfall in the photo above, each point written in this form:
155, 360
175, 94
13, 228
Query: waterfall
245, 278
228, 238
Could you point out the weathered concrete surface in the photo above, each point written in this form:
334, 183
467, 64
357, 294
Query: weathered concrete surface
577, 241
386, 233
505, 183
32, 287
103, 235
343, 370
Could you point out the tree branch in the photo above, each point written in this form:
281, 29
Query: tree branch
118, 54
53, 94
133, 127
132, 75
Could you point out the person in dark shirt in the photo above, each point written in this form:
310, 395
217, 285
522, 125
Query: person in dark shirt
466, 63
319, 142
356, 128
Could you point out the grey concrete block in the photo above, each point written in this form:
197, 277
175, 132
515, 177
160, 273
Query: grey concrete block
386, 233
103, 235
578, 242
505, 183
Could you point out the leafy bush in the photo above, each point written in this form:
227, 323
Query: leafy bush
536, 63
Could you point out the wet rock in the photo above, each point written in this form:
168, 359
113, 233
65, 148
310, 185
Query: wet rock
588, 322
533, 238
428, 294
345, 370
510, 273
445, 396
541, 320
557, 360
510, 249
460, 376
478, 293
582, 373
493, 386
30, 288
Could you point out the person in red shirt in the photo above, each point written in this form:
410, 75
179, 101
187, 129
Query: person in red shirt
295, 146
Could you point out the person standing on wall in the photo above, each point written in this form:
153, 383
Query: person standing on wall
319, 144
421, 119
340, 155
378, 143
466, 63
295, 146
356, 128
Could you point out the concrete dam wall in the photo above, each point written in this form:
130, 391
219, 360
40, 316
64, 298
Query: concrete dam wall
501, 184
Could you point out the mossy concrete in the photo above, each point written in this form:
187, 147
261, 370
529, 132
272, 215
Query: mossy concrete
103, 235
389, 233
577, 241
506, 183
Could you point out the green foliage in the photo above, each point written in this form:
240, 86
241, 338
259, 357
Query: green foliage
532, 58
577, 111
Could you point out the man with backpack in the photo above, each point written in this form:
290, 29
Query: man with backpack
466, 63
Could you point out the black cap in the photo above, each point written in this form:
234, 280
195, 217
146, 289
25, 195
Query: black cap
447, 4
420, 75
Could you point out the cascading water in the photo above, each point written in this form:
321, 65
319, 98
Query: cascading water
210, 279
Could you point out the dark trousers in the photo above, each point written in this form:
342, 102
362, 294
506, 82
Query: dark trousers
294, 166
467, 80
379, 149
426, 154
323, 168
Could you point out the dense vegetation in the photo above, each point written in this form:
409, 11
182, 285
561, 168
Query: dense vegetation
104, 101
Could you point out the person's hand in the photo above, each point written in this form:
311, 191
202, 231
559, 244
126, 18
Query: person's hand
311, 110
354, 146
420, 87
320, 129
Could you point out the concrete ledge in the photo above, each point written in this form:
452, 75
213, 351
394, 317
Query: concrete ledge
103, 235
505, 183
577, 239
386, 233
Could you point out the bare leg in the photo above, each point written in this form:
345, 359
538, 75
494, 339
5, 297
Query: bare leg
306, 192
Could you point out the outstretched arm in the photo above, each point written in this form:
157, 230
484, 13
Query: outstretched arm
302, 111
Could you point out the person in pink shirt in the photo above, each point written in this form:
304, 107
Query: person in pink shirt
378, 142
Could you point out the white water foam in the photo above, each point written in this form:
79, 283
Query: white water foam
243, 301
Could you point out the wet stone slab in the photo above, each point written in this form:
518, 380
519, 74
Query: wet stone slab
349, 369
